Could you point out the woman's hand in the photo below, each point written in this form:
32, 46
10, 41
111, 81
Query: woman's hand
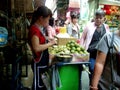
52, 41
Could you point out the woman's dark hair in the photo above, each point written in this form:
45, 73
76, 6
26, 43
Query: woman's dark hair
51, 21
41, 11
100, 12
74, 14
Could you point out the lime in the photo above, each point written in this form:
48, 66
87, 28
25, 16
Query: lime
73, 48
72, 51
78, 49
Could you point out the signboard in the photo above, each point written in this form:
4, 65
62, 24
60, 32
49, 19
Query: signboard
74, 3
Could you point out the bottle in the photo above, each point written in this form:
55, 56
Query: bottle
85, 78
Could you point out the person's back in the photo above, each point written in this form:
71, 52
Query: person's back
104, 56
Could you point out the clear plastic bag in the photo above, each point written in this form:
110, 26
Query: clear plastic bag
46, 80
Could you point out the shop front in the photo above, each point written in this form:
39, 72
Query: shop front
112, 9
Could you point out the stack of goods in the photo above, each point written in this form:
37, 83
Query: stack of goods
70, 49
63, 37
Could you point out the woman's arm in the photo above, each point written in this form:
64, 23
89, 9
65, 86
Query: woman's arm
99, 65
40, 47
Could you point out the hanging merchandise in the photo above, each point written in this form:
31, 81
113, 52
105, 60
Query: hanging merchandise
3, 36
84, 9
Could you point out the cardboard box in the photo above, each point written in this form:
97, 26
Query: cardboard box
63, 41
81, 57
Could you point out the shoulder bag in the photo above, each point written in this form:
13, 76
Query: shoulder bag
115, 77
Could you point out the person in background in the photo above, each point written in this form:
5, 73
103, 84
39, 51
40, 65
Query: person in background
67, 18
101, 79
73, 27
51, 29
39, 44
92, 34
57, 26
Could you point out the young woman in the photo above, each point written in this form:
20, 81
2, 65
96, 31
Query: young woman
73, 27
39, 44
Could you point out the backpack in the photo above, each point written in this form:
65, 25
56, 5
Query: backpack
114, 57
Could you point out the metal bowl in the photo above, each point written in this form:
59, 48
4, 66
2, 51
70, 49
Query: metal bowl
63, 58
